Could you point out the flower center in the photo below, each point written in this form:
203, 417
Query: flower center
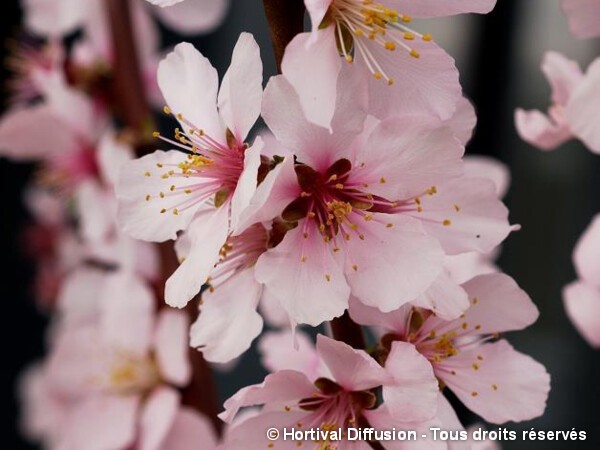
359, 22
132, 375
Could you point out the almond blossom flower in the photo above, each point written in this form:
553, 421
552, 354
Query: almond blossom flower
410, 73
343, 398
369, 203
492, 379
205, 184
191, 16
582, 297
116, 365
584, 17
572, 114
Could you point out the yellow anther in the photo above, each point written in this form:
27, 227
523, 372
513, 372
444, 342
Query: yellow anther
166, 110
408, 36
378, 75
405, 18
146, 174
155, 134
447, 222
162, 211
328, 277
390, 46
427, 37
414, 53
175, 212
148, 197
390, 82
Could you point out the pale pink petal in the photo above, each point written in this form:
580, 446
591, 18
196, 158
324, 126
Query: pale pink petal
112, 154
306, 277
581, 109
208, 232
272, 312
78, 298
103, 422
311, 143
465, 266
497, 382
189, 84
272, 146
395, 321
240, 95
437, 8
586, 255
127, 319
425, 85
394, 263
46, 206
583, 17
53, 18
141, 182
34, 133
414, 391
478, 166
563, 75
405, 156
95, 212
282, 386
228, 322
171, 346
582, 303
463, 121
252, 433
288, 350
498, 304
192, 16
317, 10
164, 3
465, 215
146, 32
188, 430
278, 189
316, 87
354, 370
157, 417
444, 297
539, 130
246, 186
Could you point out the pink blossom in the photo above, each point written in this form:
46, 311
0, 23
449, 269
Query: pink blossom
490, 378
410, 73
204, 188
582, 297
115, 364
574, 98
191, 16
583, 16
342, 399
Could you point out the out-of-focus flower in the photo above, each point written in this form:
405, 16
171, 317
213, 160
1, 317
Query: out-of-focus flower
582, 297
492, 379
113, 370
410, 73
573, 112
584, 17
204, 185
191, 16
343, 397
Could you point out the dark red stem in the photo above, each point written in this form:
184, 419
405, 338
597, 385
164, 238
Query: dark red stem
286, 20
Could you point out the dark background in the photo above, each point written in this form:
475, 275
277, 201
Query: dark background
553, 196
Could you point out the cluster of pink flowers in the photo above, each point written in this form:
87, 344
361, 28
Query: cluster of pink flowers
355, 201
573, 114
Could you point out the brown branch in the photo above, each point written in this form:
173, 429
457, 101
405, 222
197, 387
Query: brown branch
346, 330
286, 20
128, 92
130, 100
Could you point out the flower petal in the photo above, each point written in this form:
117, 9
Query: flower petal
582, 303
279, 387
444, 297
581, 109
354, 370
189, 85
188, 429
144, 189
585, 255
497, 382
171, 346
392, 245
436, 8
240, 95
192, 16
208, 232
478, 166
228, 322
306, 278
539, 130
563, 75
413, 394
157, 417
246, 185
583, 17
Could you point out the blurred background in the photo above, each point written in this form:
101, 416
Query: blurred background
553, 196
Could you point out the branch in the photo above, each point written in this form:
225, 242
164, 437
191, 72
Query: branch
286, 20
346, 330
